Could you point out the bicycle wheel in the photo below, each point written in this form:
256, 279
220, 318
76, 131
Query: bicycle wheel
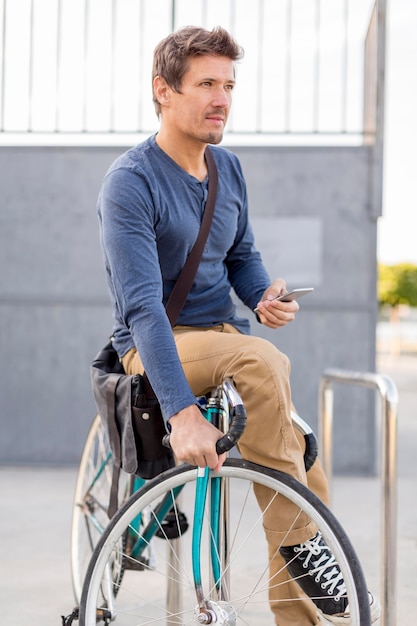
91, 498
163, 592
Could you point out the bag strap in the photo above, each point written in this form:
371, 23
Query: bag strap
114, 437
184, 282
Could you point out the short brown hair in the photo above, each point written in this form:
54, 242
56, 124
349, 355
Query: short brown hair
172, 53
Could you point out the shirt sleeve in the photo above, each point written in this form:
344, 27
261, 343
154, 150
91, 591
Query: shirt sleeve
246, 270
127, 216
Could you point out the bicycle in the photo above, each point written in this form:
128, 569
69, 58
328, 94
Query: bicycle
148, 567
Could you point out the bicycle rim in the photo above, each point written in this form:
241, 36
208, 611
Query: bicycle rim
91, 498
161, 590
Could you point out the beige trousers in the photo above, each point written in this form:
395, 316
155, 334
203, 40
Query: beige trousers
261, 375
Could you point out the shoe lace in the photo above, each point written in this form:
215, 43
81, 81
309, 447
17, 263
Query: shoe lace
325, 567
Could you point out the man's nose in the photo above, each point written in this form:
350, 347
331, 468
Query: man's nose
221, 98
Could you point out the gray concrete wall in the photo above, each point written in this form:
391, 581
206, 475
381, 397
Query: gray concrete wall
312, 216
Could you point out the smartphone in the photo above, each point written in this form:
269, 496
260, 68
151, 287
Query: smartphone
292, 295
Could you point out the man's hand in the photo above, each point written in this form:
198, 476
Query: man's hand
193, 439
274, 313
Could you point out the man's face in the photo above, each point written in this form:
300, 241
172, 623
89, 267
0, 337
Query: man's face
201, 110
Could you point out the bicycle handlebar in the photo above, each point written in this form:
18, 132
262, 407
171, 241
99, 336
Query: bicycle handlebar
311, 449
236, 428
237, 424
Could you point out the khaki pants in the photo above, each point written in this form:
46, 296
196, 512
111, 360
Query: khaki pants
261, 375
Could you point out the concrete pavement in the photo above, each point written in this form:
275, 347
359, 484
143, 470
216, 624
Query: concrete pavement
35, 582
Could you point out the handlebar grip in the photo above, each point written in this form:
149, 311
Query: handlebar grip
311, 450
235, 431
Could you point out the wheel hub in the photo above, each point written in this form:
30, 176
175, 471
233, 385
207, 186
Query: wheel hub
220, 613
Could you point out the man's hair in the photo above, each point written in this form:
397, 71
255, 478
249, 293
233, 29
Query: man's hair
172, 54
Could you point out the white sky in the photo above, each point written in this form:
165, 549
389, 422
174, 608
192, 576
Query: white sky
397, 230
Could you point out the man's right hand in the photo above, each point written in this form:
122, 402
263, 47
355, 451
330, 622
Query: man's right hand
193, 439
275, 313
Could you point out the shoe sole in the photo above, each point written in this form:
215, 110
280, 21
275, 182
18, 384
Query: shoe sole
340, 620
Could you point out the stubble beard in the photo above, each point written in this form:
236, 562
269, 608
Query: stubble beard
214, 138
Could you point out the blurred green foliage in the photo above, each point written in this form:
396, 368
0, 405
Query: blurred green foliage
397, 284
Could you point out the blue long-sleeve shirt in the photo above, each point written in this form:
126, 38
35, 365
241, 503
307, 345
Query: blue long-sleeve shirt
150, 212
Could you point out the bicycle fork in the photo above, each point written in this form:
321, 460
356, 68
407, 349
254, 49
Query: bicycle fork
212, 610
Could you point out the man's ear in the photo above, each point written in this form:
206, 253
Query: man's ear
161, 90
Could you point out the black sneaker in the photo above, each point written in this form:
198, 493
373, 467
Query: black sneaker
315, 569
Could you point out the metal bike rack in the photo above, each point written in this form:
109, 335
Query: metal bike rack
389, 413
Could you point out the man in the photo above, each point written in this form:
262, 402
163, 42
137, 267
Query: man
150, 209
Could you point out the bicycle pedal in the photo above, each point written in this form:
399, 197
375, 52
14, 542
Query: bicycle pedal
136, 564
173, 526
103, 615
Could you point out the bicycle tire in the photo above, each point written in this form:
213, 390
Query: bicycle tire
146, 600
90, 502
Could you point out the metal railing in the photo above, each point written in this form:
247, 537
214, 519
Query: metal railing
83, 66
388, 394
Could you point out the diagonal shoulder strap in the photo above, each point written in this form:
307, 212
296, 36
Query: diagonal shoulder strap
114, 437
174, 306
184, 282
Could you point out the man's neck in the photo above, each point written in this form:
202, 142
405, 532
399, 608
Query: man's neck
189, 156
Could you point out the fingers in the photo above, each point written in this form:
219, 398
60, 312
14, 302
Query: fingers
274, 313
279, 286
194, 441
211, 459
213, 462
221, 460
201, 456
